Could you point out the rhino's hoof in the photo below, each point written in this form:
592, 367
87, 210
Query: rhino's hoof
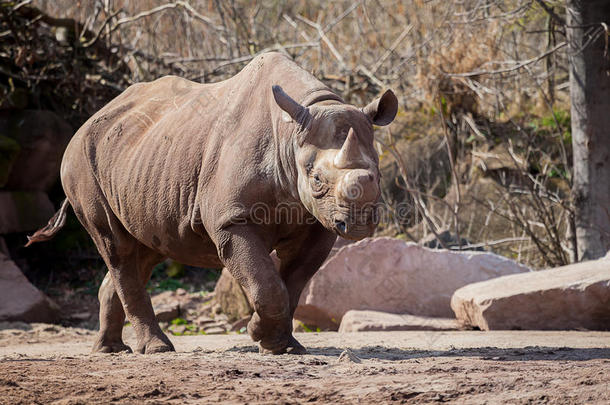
158, 349
118, 347
293, 347
263, 350
156, 345
254, 328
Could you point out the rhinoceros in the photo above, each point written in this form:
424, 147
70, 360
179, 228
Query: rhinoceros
222, 174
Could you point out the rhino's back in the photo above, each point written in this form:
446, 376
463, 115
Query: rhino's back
145, 149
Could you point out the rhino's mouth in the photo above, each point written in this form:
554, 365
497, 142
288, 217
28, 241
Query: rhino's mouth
353, 231
354, 227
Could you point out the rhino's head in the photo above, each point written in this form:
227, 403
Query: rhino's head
336, 161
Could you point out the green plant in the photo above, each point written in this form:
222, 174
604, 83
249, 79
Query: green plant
175, 270
179, 321
159, 280
308, 329
169, 284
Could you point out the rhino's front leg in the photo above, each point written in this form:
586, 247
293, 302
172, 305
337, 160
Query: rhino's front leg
245, 253
300, 259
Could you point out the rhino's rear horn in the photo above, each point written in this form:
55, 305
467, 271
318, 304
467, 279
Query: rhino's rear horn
350, 155
296, 111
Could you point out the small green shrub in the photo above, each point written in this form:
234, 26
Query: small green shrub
179, 321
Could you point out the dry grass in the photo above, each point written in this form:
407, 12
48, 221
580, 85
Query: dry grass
484, 80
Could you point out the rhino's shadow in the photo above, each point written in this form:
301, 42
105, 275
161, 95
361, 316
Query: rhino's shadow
529, 353
486, 353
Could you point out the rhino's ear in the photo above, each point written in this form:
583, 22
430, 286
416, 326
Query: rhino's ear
382, 110
296, 111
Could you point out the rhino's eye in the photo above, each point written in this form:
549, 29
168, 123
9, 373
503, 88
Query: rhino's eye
309, 167
318, 187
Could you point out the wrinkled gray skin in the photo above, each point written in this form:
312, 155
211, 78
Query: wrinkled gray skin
196, 172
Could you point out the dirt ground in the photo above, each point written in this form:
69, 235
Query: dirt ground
51, 365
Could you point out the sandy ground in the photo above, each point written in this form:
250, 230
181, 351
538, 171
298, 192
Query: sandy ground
50, 364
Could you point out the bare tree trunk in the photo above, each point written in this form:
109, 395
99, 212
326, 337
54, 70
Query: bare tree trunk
590, 96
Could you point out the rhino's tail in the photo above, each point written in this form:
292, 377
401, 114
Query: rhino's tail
55, 224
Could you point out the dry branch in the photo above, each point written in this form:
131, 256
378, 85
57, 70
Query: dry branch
518, 66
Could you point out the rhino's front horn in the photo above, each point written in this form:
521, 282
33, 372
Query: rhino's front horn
350, 155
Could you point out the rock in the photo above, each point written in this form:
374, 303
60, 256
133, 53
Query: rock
448, 239
42, 137
363, 321
297, 326
203, 319
347, 356
569, 297
316, 315
177, 329
186, 302
163, 298
20, 300
167, 312
9, 150
212, 325
242, 323
3, 247
339, 244
81, 316
22, 211
300, 327
221, 318
390, 275
214, 331
231, 297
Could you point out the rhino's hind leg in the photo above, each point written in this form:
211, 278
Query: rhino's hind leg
129, 271
129, 265
112, 317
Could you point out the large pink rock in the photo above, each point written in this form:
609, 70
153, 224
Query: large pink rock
20, 300
569, 297
375, 321
390, 275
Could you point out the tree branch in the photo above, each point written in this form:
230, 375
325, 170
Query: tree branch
518, 66
551, 12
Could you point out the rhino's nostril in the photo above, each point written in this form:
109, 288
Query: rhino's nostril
341, 226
